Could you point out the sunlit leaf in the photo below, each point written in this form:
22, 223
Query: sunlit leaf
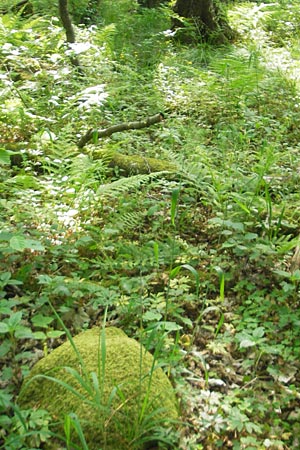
4, 156
18, 243
4, 327
152, 315
245, 343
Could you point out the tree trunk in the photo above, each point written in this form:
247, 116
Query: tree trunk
201, 20
68, 26
66, 20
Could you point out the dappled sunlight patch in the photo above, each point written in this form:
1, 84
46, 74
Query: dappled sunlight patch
264, 24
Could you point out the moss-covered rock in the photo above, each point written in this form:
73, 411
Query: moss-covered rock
132, 397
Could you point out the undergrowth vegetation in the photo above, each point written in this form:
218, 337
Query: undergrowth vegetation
203, 257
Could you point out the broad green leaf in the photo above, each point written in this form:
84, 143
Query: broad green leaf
53, 334
41, 321
44, 279
5, 277
40, 335
18, 243
245, 343
250, 236
5, 310
152, 315
4, 156
258, 332
4, 327
23, 333
5, 236
186, 321
33, 244
14, 319
171, 326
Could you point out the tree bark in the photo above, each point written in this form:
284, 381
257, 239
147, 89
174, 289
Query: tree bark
106, 132
69, 29
201, 20
66, 20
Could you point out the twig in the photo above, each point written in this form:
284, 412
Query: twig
119, 127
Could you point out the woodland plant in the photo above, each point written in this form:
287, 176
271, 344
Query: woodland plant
200, 261
119, 414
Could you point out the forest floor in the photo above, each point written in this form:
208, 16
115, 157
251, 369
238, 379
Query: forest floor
200, 257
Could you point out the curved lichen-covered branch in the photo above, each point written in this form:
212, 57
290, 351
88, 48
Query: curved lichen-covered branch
119, 127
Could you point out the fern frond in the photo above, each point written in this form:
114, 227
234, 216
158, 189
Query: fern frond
131, 183
106, 34
86, 172
176, 159
131, 220
193, 172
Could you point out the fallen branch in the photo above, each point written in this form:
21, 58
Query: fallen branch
119, 127
133, 165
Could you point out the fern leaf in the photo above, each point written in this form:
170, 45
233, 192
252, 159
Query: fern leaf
126, 184
131, 220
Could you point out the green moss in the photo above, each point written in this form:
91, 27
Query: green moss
116, 418
134, 164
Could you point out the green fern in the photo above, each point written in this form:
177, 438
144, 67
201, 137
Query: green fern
131, 220
127, 184
85, 172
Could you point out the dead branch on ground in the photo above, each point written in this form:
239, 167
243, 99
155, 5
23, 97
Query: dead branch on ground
119, 127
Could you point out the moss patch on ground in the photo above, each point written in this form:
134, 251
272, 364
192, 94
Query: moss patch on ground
132, 397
